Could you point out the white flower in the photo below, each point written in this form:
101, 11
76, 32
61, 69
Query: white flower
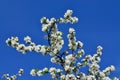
53, 60
99, 53
67, 68
95, 59
70, 77
68, 13
99, 48
14, 38
29, 48
88, 57
112, 68
44, 28
62, 42
37, 48
55, 51
70, 57
14, 77
71, 30
67, 62
79, 64
27, 39
61, 20
39, 73
20, 72
33, 72
8, 78
53, 19
62, 77
59, 33
80, 53
8, 41
32, 44
82, 76
59, 45
21, 48
44, 20
80, 44
89, 77
53, 75
52, 69
45, 70
94, 67
14, 43
58, 70
43, 50
101, 74
75, 19
70, 45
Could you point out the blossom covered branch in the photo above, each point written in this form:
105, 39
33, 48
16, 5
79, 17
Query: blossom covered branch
70, 58
13, 77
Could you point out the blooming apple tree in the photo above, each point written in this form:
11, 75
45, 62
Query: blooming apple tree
69, 59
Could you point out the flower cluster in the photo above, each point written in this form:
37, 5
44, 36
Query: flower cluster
13, 41
73, 45
68, 17
13, 77
68, 59
54, 36
53, 72
72, 71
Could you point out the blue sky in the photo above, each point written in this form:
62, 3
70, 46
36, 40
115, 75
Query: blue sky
99, 24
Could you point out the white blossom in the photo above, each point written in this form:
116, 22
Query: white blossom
80, 44
53, 60
29, 48
71, 30
45, 28
33, 72
99, 48
37, 48
80, 53
112, 68
45, 69
52, 69
70, 77
43, 50
27, 39
62, 77
44, 20
68, 13
39, 73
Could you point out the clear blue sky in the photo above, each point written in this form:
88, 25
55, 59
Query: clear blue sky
99, 24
